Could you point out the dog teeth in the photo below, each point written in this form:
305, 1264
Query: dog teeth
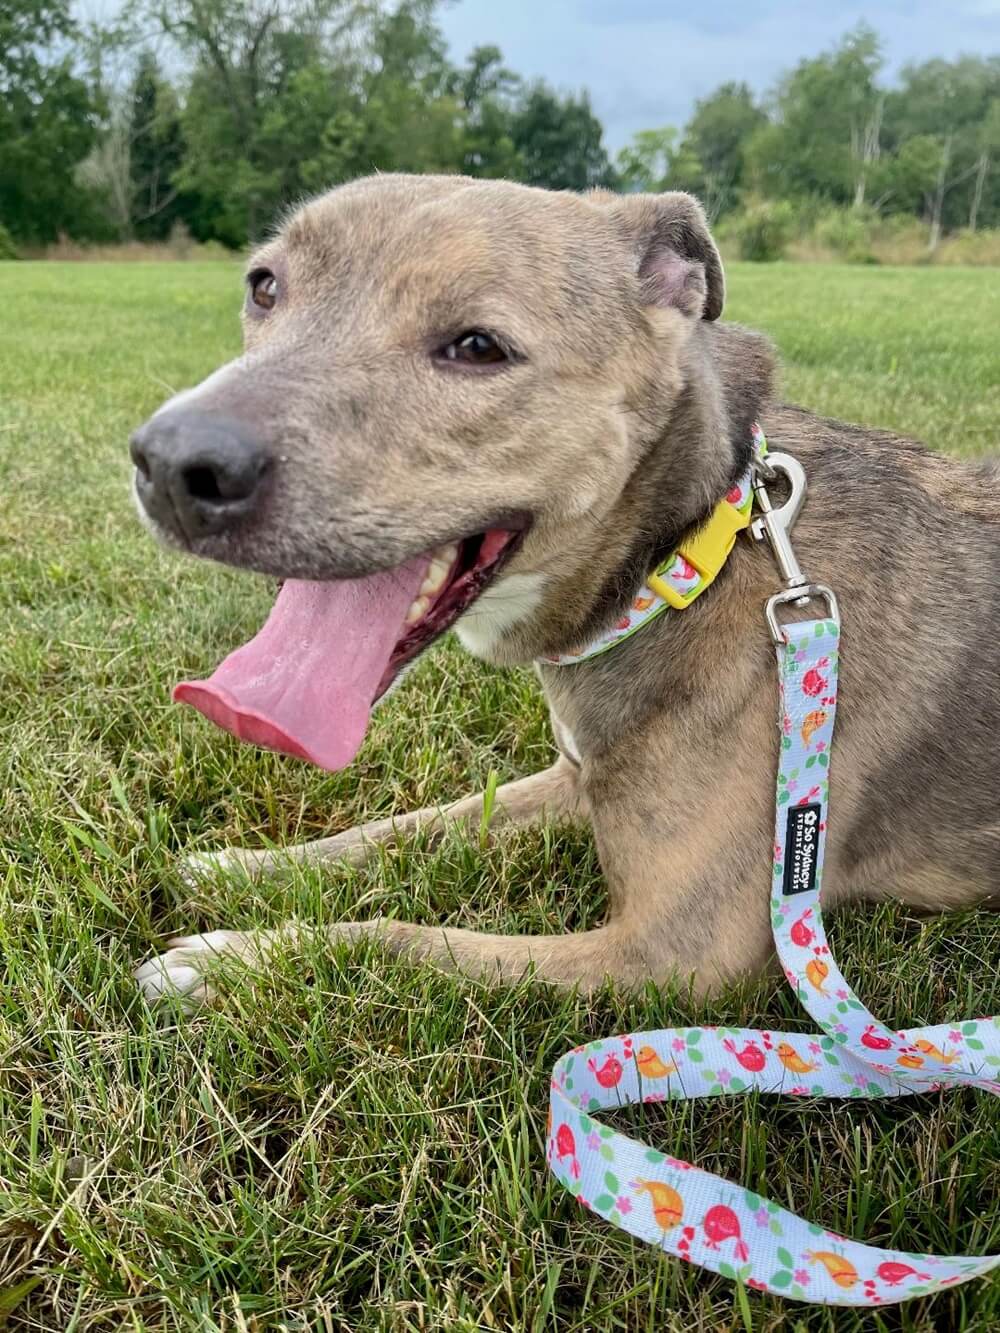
418, 610
435, 578
441, 563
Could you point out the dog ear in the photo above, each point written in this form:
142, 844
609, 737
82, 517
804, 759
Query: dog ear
677, 262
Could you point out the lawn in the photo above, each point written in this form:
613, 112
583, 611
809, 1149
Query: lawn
352, 1143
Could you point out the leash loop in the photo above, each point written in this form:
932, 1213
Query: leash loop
691, 1213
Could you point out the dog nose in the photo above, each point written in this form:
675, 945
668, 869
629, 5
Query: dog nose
197, 475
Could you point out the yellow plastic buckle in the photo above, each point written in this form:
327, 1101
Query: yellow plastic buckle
707, 550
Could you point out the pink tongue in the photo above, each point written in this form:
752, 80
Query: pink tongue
305, 685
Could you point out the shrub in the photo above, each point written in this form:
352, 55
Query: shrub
848, 233
8, 250
763, 230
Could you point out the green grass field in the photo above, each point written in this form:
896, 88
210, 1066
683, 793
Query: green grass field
352, 1143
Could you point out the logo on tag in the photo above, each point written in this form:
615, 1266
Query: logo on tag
801, 849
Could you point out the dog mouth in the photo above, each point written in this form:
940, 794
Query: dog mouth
305, 685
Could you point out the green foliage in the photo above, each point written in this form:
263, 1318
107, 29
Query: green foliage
762, 231
8, 250
255, 104
47, 120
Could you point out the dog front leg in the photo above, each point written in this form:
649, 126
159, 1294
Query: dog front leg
585, 960
554, 793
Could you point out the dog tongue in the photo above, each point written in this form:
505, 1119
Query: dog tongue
306, 684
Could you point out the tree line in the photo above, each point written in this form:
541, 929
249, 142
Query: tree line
213, 115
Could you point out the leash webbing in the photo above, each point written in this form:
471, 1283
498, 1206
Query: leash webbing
699, 1216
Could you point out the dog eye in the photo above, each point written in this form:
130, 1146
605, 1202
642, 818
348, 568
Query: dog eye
263, 288
475, 348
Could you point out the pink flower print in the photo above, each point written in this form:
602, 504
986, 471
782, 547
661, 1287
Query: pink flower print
800, 1090
593, 1141
861, 1080
784, 909
801, 1277
839, 1027
723, 1076
761, 1217
820, 746
678, 1044
655, 1097
815, 1047
954, 1035
623, 1205
842, 994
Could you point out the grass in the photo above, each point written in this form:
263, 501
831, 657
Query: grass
353, 1143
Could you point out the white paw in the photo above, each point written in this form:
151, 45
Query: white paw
180, 972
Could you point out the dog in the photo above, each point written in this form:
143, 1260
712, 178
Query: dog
483, 404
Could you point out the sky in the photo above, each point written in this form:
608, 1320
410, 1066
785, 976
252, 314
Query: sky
646, 61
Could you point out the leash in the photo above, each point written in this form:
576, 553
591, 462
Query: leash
691, 1213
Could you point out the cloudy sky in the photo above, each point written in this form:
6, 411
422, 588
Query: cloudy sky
645, 61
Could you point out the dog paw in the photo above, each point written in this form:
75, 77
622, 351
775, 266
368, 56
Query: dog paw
204, 867
180, 973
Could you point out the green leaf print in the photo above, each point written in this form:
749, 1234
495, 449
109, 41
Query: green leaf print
694, 1036
607, 1152
603, 1202
973, 1043
611, 1182
782, 1278
655, 1157
784, 1258
783, 798
752, 1201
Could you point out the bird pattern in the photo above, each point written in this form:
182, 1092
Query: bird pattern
698, 1216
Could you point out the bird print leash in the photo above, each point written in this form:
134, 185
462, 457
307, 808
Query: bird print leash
691, 1213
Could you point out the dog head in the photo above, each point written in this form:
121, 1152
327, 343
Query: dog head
447, 389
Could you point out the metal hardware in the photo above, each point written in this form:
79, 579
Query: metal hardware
775, 524
800, 596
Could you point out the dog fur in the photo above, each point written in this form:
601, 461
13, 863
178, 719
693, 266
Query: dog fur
622, 418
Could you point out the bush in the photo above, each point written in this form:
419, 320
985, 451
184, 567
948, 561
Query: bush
8, 250
763, 230
848, 233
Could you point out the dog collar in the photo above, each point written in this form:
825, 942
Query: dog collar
686, 572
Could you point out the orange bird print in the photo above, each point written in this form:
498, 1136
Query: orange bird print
668, 1206
650, 1064
935, 1053
840, 1269
792, 1061
816, 973
812, 722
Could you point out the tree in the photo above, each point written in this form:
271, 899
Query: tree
715, 141
247, 55
156, 151
486, 92
825, 138
559, 141
989, 146
646, 164
48, 120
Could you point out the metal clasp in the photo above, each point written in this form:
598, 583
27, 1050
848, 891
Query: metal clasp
775, 524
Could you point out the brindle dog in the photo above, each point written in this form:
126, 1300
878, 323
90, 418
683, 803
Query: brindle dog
506, 406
